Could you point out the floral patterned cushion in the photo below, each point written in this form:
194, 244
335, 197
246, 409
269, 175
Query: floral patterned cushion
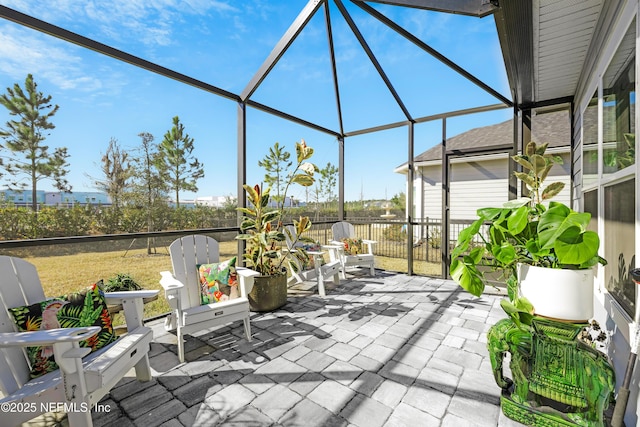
86, 308
352, 246
218, 281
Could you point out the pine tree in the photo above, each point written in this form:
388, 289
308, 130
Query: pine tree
329, 179
117, 171
24, 139
176, 162
276, 163
148, 189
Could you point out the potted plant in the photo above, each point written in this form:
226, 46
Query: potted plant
262, 230
120, 282
525, 237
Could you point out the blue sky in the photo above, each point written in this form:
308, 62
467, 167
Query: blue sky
223, 43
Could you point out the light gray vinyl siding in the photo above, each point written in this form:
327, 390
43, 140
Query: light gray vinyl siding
479, 184
432, 196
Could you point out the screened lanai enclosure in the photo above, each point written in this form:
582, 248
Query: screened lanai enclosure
416, 105
325, 72
373, 105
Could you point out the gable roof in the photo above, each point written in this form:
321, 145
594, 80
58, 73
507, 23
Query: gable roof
553, 128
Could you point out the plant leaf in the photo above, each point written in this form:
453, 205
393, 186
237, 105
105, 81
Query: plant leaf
247, 211
575, 247
518, 220
534, 249
465, 273
524, 161
303, 179
540, 149
545, 172
539, 164
465, 237
504, 253
252, 195
489, 214
552, 223
270, 216
530, 149
552, 190
526, 178
516, 203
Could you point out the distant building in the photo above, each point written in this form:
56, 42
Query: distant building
21, 197
183, 204
213, 201
54, 198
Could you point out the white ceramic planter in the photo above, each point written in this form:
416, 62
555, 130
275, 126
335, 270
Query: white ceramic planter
558, 294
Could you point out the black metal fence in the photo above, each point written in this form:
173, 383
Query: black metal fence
390, 235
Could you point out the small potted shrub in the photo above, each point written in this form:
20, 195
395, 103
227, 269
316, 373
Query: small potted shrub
120, 282
526, 237
262, 230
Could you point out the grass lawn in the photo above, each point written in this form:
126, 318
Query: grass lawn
62, 274
71, 272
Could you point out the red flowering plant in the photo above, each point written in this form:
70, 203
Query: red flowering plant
262, 228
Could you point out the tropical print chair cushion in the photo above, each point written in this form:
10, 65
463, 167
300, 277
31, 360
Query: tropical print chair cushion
218, 281
352, 246
86, 308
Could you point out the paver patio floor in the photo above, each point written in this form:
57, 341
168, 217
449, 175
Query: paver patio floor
392, 350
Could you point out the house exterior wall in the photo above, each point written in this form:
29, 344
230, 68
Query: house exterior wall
590, 190
477, 184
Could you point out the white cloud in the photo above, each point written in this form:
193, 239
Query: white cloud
22, 51
147, 21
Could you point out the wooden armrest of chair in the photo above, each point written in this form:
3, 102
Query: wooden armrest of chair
132, 302
169, 282
369, 244
118, 297
245, 277
64, 341
171, 285
47, 337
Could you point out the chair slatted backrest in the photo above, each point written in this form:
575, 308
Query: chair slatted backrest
342, 230
19, 286
186, 253
290, 243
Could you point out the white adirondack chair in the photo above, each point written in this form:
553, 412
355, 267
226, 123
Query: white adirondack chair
342, 230
320, 273
81, 380
182, 290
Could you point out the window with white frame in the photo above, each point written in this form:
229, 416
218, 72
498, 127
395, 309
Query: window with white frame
613, 172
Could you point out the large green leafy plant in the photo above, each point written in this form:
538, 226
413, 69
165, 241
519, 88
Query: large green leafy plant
262, 227
524, 231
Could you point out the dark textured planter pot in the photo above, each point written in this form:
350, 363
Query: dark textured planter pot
268, 293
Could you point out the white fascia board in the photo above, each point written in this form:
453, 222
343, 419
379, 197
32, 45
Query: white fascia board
477, 158
404, 169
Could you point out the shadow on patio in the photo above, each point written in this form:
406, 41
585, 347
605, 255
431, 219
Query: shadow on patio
388, 350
